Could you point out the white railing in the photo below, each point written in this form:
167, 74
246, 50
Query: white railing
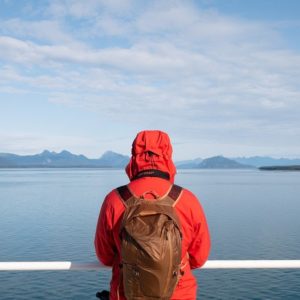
87, 266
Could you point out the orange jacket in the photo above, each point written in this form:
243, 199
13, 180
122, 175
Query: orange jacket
196, 240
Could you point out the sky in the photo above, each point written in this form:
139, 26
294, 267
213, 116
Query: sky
221, 77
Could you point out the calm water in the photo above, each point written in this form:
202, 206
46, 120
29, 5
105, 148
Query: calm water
51, 214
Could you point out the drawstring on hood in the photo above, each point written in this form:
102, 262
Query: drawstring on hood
151, 150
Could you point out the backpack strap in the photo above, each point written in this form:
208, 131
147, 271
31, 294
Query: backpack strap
175, 193
124, 192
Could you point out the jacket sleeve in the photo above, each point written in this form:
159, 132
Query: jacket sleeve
104, 242
200, 245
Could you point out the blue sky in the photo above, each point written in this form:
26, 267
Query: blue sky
221, 77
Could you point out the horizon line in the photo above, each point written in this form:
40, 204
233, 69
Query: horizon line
185, 159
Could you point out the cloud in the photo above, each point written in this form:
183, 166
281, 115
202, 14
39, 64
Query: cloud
172, 61
88, 8
166, 72
49, 31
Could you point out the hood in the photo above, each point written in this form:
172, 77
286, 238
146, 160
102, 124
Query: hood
151, 149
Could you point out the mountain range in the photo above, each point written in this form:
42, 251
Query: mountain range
215, 162
63, 159
259, 161
110, 159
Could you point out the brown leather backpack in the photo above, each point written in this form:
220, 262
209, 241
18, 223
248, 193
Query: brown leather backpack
151, 237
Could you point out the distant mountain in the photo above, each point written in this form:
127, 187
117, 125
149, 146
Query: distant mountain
215, 162
45, 159
4, 162
259, 161
63, 159
254, 161
188, 164
221, 162
113, 159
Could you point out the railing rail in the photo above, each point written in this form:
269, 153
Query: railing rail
87, 266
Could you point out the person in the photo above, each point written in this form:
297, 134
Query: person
151, 169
